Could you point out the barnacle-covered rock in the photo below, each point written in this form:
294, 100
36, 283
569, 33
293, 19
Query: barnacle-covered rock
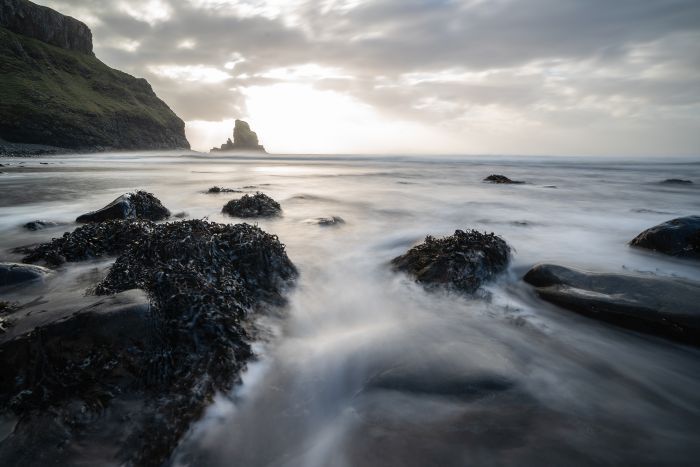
138, 205
257, 205
463, 261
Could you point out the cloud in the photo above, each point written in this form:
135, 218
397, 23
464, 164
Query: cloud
573, 76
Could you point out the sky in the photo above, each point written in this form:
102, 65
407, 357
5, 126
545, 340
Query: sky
569, 77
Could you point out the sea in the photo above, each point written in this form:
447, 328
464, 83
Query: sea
364, 367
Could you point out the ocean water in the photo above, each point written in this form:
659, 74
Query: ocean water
365, 368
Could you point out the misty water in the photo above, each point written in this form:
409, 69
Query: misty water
363, 367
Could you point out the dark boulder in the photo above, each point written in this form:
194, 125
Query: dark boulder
463, 261
40, 225
660, 306
676, 181
138, 205
677, 237
88, 242
501, 179
149, 369
257, 205
16, 273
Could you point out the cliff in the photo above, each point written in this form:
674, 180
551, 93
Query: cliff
244, 140
56, 92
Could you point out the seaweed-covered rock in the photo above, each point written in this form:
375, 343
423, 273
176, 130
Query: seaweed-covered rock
218, 189
138, 205
40, 225
501, 179
654, 305
463, 261
16, 273
88, 242
257, 205
156, 367
677, 237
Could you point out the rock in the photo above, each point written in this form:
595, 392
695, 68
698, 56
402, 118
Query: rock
217, 189
40, 225
463, 261
678, 237
88, 242
257, 205
244, 140
654, 305
16, 273
139, 205
676, 181
502, 179
328, 221
150, 369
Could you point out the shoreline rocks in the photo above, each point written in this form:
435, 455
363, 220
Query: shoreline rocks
137, 205
654, 305
257, 205
678, 237
463, 261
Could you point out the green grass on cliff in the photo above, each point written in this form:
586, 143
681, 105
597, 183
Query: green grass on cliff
50, 95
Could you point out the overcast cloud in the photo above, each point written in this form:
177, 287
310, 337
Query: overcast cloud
445, 76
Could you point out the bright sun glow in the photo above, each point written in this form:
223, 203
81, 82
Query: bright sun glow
296, 118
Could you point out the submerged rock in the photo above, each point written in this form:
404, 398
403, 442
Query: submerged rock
328, 221
88, 242
16, 273
138, 205
676, 181
40, 225
151, 366
654, 305
678, 237
257, 205
501, 179
463, 261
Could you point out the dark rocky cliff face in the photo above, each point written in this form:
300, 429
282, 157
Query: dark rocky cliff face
46, 25
56, 92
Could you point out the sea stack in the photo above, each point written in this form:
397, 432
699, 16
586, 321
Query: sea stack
244, 140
